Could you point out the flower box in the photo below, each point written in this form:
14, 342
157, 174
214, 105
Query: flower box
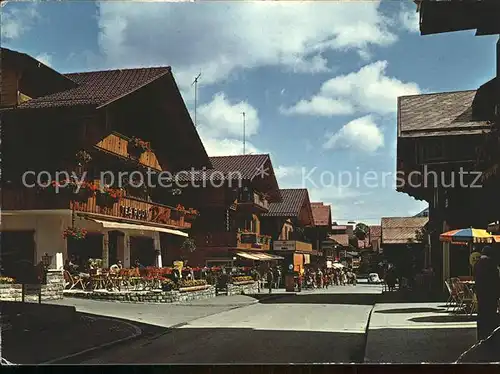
136, 147
190, 217
193, 288
74, 233
176, 214
242, 283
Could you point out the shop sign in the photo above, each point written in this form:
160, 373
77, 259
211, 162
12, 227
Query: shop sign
134, 213
284, 245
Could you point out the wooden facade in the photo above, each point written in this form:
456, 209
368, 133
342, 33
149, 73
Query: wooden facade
109, 130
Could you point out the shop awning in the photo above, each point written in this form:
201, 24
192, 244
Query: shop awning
267, 256
258, 256
248, 256
129, 226
336, 265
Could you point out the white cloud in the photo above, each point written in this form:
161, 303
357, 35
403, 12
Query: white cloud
44, 58
220, 38
366, 90
17, 19
362, 134
409, 19
220, 125
227, 147
283, 172
220, 118
321, 106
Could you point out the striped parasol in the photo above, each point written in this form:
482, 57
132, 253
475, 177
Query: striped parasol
464, 236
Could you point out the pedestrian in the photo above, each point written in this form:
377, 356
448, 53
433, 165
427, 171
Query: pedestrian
487, 292
270, 279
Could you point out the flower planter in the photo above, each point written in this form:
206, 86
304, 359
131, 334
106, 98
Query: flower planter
190, 217
82, 195
242, 283
105, 200
193, 288
176, 215
135, 151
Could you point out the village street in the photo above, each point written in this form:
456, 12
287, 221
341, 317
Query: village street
321, 326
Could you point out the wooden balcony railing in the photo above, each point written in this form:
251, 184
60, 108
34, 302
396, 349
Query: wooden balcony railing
118, 144
253, 200
125, 208
233, 240
135, 209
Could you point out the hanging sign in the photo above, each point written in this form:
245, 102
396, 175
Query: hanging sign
474, 258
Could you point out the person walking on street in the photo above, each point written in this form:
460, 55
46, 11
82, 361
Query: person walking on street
270, 280
488, 292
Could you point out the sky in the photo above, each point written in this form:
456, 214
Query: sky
318, 81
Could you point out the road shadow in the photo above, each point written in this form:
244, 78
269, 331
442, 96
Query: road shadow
322, 298
409, 310
455, 318
235, 346
415, 346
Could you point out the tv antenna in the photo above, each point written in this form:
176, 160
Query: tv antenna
244, 136
195, 83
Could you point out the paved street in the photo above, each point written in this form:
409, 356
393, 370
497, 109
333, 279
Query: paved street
337, 325
304, 328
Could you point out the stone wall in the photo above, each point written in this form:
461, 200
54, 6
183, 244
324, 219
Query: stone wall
53, 290
155, 296
243, 289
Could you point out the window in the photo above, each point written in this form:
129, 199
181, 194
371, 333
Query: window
433, 150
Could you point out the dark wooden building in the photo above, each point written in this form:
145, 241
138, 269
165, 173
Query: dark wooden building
231, 198
109, 130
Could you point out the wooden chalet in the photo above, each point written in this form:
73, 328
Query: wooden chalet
452, 131
318, 233
286, 222
132, 122
399, 241
232, 198
340, 236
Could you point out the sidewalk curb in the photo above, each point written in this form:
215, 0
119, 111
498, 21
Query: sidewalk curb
60, 360
367, 331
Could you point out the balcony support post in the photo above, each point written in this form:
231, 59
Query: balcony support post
105, 249
157, 248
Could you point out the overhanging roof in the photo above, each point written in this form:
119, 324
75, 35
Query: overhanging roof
132, 227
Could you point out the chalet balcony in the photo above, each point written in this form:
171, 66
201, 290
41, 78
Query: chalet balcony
252, 202
233, 240
126, 208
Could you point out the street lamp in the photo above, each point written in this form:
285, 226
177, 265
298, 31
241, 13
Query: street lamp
46, 260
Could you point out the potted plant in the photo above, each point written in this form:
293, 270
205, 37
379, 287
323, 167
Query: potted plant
178, 212
83, 157
136, 147
75, 233
6, 280
167, 284
108, 196
190, 215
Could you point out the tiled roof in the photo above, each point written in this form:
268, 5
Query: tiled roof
399, 230
291, 203
438, 113
342, 239
235, 168
98, 87
322, 214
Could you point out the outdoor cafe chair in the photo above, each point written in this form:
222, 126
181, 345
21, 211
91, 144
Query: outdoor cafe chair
453, 298
73, 281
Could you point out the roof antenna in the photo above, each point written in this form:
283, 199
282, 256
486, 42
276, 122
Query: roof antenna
195, 82
244, 136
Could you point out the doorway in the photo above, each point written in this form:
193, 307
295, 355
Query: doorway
142, 249
17, 249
